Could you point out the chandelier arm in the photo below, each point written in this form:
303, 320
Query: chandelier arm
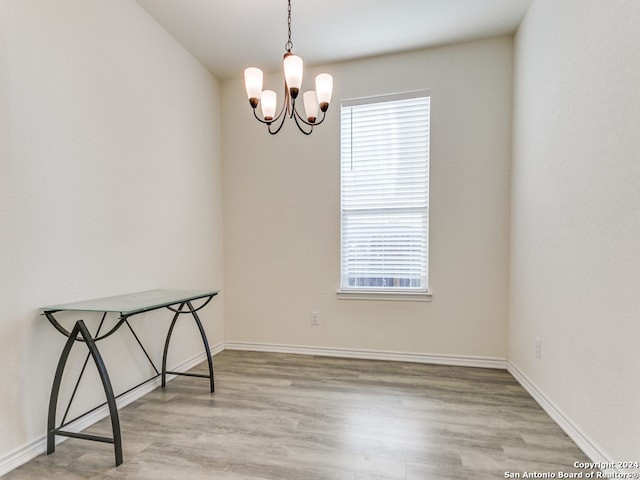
258, 118
279, 126
297, 118
324, 114
275, 119
297, 115
289, 103
283, 109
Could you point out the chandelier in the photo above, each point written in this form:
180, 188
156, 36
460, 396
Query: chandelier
313, 100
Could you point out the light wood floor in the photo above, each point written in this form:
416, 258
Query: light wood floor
295, 417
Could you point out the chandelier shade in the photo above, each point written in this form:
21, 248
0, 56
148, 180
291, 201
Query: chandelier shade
324, 88
313, 100
310, 105
293, 67
253, 84
268, 99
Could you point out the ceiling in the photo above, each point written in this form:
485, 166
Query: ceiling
228, 36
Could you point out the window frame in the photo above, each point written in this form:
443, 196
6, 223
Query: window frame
422, 293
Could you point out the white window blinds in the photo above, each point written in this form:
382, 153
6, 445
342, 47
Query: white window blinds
385, 192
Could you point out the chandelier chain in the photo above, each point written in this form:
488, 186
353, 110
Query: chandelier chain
289, 45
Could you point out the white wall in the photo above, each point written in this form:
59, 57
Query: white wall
109, 183
575, 267
282, 216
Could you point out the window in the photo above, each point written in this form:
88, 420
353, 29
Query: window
385, 194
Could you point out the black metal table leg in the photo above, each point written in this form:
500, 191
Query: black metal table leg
206, 345
203, 335
166, 343
81, 329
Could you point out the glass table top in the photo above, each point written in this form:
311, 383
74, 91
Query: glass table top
133, 302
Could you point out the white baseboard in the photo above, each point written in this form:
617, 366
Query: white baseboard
585, 444
456, 360
23, 454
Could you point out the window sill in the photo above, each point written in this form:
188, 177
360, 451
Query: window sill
404, 296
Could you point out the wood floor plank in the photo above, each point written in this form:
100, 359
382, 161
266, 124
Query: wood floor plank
296, 417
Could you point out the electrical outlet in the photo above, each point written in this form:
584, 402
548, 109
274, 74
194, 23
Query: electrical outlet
315, 319
538, 348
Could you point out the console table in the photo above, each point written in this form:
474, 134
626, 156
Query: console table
125, 306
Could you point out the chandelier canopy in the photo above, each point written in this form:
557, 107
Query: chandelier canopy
313, 100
